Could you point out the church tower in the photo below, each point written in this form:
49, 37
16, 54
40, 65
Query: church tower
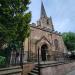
44, 21
45, 38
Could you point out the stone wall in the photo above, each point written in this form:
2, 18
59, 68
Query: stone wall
27, 68
61, 69
16, 70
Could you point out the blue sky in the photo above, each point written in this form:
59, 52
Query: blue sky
61, 11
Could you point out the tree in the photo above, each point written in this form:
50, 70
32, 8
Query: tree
69, 40
14, 22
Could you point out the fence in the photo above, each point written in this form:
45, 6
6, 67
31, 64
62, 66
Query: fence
15, 58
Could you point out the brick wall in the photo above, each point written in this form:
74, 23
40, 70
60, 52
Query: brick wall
58, 69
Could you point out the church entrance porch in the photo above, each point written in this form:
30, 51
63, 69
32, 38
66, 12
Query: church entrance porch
44, 49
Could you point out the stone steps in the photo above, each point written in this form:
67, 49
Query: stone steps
31, 73
34, 71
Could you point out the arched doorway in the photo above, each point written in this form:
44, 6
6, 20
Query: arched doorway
44, 49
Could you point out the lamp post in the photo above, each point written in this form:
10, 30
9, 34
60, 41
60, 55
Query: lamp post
38, 62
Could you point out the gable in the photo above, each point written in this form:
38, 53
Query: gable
43, 39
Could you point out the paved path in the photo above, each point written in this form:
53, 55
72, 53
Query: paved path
72, 73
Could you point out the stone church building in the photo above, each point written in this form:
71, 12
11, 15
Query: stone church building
45, 38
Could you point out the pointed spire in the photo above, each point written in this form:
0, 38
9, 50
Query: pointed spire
51, 20
51, 23
43, 12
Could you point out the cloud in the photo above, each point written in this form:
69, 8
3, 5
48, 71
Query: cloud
61, 26
62, 12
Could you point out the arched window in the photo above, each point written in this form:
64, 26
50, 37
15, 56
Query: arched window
47, 21
56, 44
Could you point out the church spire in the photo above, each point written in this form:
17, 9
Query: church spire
43, 12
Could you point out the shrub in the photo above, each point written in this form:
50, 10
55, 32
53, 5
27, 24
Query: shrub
2, 61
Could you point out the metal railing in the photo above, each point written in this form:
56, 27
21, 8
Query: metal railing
16, 59
55, 56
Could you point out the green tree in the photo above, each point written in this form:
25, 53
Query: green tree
14, 22
69, 40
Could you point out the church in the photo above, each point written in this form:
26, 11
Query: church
45, 38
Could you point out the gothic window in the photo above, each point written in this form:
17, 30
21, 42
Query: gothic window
47, 21
56, 44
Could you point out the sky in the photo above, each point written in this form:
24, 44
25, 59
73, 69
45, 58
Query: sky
61, 11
